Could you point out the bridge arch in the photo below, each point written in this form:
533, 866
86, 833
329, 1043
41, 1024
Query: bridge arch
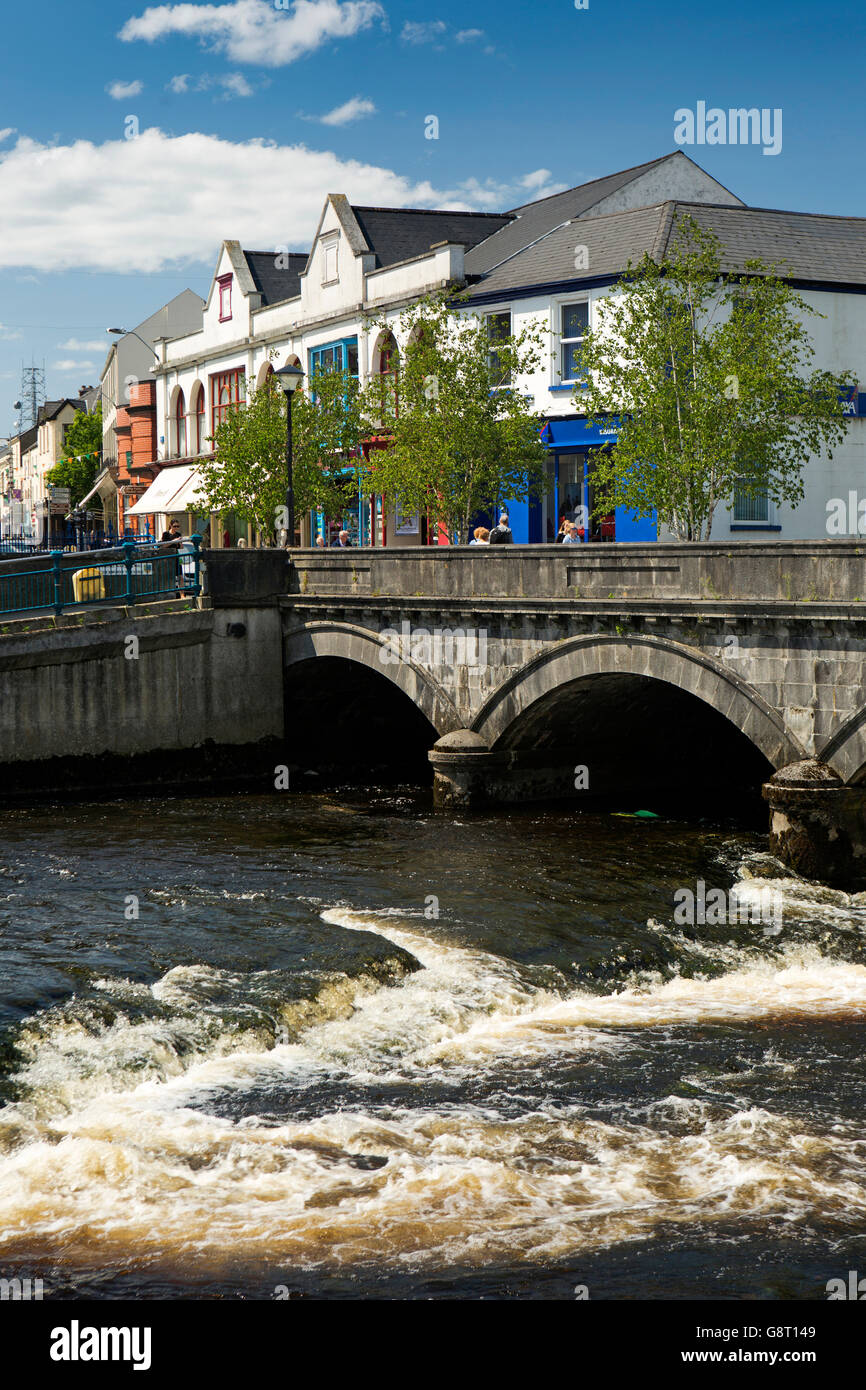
845, 750
535, 687
348, 642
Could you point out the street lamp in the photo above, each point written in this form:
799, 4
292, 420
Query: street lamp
289, 379
131, 333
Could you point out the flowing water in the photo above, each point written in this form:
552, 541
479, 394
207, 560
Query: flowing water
345, 1046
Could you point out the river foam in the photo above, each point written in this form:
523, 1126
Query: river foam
114, 1151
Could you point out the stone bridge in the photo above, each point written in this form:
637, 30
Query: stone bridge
652, 674
549, 671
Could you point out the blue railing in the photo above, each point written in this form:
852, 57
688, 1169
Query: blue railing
68, 540
126, 575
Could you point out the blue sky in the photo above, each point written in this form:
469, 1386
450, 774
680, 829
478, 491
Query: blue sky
228, 101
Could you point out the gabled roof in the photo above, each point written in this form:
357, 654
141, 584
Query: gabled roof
539, 218
51, 409
805, 246
276, 282
398, 234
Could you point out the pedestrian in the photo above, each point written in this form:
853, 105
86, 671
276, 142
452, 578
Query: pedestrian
320, 542
572, 535
501, 534
563, 530
343, 539
173, 568
480, 536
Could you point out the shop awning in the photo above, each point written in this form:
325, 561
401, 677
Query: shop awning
102, 478
162, 491
190, 493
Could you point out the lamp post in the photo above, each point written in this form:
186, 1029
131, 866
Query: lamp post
131, 333
289, 379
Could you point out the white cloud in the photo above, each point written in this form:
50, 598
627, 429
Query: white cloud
538, 179
469, 35
76, 345
233, 84
122, 91
7, 334
6, 132
67, 364
255, 31
426, 32
89, 205
351, 110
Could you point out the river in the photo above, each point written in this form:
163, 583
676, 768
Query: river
342, 1046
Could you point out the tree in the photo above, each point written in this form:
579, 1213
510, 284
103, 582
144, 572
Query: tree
460, 437
80, 456
712, 375
247, 472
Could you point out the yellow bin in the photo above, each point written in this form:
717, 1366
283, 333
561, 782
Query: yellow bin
87, 585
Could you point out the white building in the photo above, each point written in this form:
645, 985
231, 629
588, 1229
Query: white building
548, 261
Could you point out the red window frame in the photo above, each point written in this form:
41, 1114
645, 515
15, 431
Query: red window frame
199, 420
389, 367
225, 293
227, 389
180, 425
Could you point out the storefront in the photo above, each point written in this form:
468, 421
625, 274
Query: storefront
569, 492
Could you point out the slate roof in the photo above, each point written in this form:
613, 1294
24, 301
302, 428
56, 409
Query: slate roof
276, 283
51, 409
397, 234
533, 220
804, 246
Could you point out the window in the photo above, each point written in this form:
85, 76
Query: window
199, 421
180, 425
227, 392
336, 357
225, 291
329, 261
388, 374
574, 323
754, 507
498, 331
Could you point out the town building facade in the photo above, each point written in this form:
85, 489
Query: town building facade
548, 263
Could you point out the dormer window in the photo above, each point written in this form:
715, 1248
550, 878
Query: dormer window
330, 272
225, 290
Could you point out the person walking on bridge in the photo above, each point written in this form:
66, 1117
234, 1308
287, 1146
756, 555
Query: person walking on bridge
501, 534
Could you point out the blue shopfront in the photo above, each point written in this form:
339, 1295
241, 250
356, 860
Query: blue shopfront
569, 490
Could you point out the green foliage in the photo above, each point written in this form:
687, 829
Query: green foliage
460, 438
714, 372
247, 473
80, 457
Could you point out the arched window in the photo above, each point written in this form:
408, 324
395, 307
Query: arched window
180, 425
199, 421
388, 372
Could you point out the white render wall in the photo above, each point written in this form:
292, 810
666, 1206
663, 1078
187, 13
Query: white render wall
325, 312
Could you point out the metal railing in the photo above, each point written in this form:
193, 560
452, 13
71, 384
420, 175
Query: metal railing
69, 539
126, 575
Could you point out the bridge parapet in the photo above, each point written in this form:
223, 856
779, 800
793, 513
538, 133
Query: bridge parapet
780, 571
